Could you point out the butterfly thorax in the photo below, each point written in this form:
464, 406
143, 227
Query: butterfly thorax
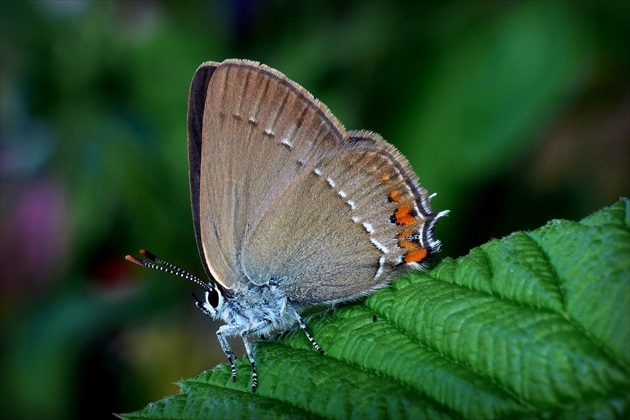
258, 309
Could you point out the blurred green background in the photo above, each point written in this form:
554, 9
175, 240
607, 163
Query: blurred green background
513, 112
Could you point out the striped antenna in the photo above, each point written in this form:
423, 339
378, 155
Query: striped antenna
158, 263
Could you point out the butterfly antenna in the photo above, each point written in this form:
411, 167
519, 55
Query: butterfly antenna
158, 263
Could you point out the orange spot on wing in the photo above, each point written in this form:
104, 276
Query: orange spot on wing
404, 215
407, 244
385, 178
416, 255
394, 195
403, 242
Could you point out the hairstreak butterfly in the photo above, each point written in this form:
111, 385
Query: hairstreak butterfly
291, 210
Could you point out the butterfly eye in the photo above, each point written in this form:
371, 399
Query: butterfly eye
213, 297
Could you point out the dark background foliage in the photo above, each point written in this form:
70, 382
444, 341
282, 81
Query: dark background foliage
514, 112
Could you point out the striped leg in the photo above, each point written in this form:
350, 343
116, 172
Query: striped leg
308, 334
225, 346
248, 349
250, 355
223, 331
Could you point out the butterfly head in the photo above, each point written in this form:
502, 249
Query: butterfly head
213, 301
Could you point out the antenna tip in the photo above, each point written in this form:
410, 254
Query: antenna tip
133, 259
148, 254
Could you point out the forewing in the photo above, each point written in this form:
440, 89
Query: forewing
252, 131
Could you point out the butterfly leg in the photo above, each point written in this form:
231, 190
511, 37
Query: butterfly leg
248, 349
231, 330
223, 331
308, 334
225, 346
250, 355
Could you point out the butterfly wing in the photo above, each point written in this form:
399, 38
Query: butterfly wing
244, 122
348, 225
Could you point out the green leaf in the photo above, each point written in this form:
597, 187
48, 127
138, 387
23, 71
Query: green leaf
536, 324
